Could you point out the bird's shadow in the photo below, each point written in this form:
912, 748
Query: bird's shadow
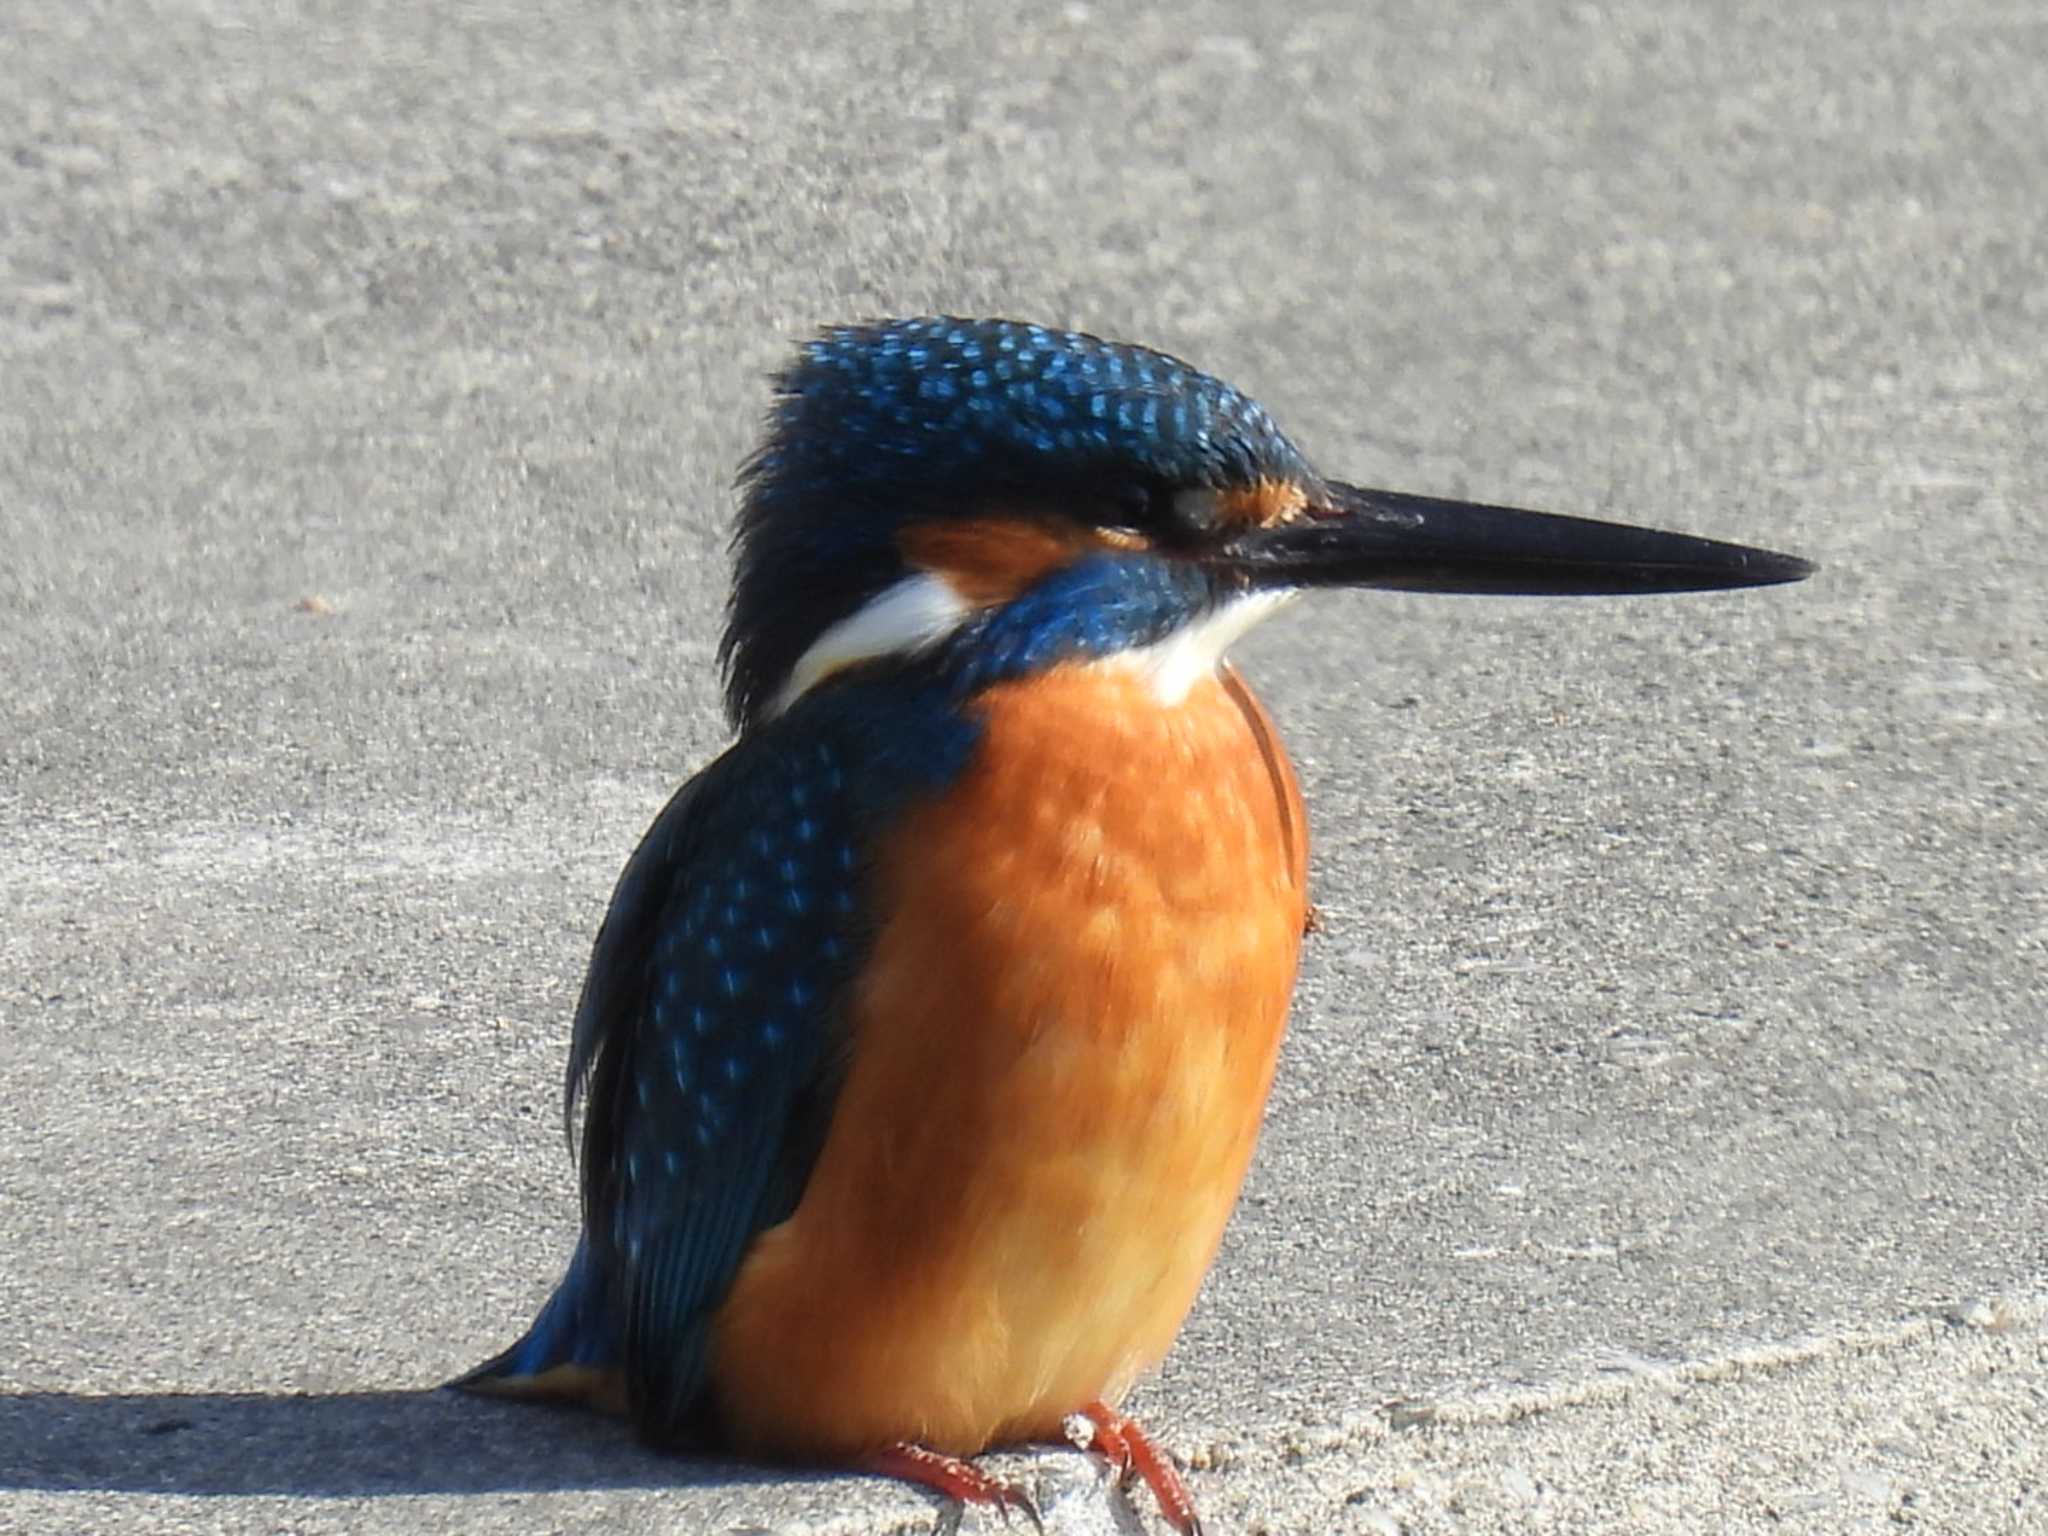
334, 1445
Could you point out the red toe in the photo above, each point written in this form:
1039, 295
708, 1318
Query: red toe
954, 1478
1129, 1450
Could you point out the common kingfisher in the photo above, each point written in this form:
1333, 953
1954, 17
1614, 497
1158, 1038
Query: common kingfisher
926, 1040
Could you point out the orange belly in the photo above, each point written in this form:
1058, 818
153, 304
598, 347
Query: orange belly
1063, 1045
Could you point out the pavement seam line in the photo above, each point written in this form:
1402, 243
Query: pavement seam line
2024, 1311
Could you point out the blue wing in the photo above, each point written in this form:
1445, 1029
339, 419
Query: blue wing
710, 1040
708, 1037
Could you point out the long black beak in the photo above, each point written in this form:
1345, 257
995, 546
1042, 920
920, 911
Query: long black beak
1367, 538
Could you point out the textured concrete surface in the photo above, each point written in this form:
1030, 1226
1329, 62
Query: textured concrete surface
1660, 1146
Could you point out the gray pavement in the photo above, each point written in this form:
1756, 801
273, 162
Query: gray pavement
1660, 1145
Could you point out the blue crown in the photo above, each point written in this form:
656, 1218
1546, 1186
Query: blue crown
910, 399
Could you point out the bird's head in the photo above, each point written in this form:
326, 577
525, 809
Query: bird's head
999, 496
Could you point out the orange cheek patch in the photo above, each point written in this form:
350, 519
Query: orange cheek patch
990, 560
1262, 504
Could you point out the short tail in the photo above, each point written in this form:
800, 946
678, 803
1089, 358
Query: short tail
570, 1354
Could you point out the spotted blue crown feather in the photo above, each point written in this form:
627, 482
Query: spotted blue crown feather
874, 425
937, 396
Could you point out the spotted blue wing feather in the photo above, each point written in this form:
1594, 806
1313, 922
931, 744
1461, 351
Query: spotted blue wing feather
712, 1033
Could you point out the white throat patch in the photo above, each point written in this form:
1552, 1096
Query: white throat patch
1174, 665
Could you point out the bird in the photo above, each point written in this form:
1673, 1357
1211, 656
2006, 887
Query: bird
927, 1037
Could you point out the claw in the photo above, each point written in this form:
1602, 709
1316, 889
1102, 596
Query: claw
1105, 1440
1129, 1449
956, 1480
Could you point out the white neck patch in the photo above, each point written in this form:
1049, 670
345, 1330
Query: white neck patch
1174, 665
913, 615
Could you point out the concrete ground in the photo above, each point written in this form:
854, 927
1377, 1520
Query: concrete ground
1661, 1144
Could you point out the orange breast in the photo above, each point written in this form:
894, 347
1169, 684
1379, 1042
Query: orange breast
1063, 1045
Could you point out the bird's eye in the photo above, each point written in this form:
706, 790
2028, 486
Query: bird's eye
1139, 505
1169, 514
1197, 509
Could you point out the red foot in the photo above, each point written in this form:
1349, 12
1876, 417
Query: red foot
953, 1478
1129, 1449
